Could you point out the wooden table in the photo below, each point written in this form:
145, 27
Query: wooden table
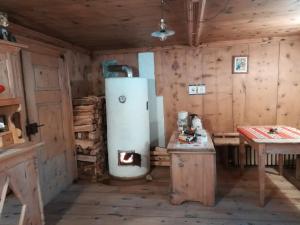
193, 171
285, 141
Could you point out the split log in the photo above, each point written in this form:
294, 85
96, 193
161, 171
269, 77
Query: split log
83, 128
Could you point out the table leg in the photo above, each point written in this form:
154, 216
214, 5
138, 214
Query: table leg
280, 163
261, 174
225, 156
298, 167
242, 153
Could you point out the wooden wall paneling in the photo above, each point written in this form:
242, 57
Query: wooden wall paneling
159, 76
79, 68
210, 105
97, 80
239, 87
194, 76
261, 81
175, 93
180, 77
224, 90
288, 112
169, 106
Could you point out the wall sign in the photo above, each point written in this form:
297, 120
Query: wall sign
196, 89
240, 64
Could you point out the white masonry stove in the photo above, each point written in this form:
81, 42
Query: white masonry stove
128, 134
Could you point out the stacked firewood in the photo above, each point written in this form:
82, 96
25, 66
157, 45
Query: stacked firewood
160, 157
90, 137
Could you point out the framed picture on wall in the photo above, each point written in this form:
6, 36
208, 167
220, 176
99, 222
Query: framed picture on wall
240, 64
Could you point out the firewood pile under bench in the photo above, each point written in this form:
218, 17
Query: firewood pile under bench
160, 157
90, 137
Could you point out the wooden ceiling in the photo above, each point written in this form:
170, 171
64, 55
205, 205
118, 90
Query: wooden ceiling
243, 19
115, 24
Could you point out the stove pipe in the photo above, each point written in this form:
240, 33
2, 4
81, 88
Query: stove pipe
121, 68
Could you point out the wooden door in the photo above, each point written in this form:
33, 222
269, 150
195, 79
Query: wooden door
49, 104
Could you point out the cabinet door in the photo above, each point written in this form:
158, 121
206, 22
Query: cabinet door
6, 78
10, 73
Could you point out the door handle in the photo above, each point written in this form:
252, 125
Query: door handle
32, 128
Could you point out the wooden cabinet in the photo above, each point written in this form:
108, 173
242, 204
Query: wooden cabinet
12, 98
193, 172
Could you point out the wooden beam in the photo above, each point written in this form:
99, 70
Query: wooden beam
200, 22
25, 35
190, 21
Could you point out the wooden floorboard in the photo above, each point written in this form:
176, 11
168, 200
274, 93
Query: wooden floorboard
147, 203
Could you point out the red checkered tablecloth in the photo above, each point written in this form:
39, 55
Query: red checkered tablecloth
262, 133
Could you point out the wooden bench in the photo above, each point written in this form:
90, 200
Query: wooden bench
226, 140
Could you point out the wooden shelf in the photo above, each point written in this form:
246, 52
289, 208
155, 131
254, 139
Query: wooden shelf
9, 101
12, 44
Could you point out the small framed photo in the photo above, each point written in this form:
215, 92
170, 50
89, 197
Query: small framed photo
240, 64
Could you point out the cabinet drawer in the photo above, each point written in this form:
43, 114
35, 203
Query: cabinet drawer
6, 138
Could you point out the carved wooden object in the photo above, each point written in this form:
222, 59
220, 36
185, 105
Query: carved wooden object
18, 172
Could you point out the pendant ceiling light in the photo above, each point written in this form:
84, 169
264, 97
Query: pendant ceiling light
163, 33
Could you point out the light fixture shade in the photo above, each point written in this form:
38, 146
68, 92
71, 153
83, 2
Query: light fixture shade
163, 34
